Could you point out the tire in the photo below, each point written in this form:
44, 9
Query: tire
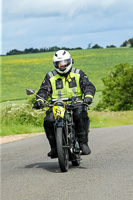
62, 150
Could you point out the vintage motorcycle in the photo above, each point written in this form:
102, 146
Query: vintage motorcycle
67, 143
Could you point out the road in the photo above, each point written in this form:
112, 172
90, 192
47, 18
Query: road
107, 174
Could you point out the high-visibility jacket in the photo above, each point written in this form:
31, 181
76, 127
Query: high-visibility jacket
73, 83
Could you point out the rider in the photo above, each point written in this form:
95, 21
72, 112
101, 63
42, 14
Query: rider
65, 81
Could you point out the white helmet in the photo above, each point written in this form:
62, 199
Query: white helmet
62, 61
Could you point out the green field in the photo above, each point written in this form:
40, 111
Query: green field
28, 71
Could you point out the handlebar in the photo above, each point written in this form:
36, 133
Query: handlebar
68, 106
63, 100
74, 103
74, 100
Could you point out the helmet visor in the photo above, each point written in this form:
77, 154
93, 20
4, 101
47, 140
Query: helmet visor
62, 64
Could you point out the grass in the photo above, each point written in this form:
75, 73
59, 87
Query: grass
14, 129
28, 71
18, 102
109, 119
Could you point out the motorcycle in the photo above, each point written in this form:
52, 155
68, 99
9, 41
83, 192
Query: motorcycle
68, 149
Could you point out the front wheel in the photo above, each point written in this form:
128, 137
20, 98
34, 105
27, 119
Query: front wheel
62, 149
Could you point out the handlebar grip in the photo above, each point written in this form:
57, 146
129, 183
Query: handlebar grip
34, 107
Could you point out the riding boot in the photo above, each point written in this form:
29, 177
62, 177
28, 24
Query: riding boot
81, 120
53, 152
85, 148
83, 143
49, 130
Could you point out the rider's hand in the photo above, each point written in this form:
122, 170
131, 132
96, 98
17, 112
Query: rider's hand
88, 99
38, 104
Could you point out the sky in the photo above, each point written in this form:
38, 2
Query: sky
70, 23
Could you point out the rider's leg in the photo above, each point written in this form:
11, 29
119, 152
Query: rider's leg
81, 120
49, 130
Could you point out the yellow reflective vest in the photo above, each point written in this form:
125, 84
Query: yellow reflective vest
65, 87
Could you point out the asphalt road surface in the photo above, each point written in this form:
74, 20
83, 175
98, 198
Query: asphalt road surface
107, 174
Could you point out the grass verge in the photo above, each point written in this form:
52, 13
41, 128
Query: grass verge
97, 120
109, 119
15, 129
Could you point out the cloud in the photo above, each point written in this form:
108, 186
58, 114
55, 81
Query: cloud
69, 8
42, 23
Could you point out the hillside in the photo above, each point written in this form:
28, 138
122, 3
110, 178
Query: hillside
28, 71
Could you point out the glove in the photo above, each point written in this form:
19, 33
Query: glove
88, 99
38, 104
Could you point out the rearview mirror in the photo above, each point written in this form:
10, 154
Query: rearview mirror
30, 91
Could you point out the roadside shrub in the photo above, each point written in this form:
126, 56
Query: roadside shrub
23, 114
118, 92
31, 100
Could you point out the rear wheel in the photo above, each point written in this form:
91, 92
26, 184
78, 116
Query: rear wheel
62, 150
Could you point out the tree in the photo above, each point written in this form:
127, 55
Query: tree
96, 46
118, 92
111, 46
32, 50
125, 43
131, 41
14, 52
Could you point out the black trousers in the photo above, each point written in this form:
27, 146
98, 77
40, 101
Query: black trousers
81, 121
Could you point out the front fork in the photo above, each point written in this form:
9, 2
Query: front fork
59, 122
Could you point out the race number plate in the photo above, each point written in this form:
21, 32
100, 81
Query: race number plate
58, 111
